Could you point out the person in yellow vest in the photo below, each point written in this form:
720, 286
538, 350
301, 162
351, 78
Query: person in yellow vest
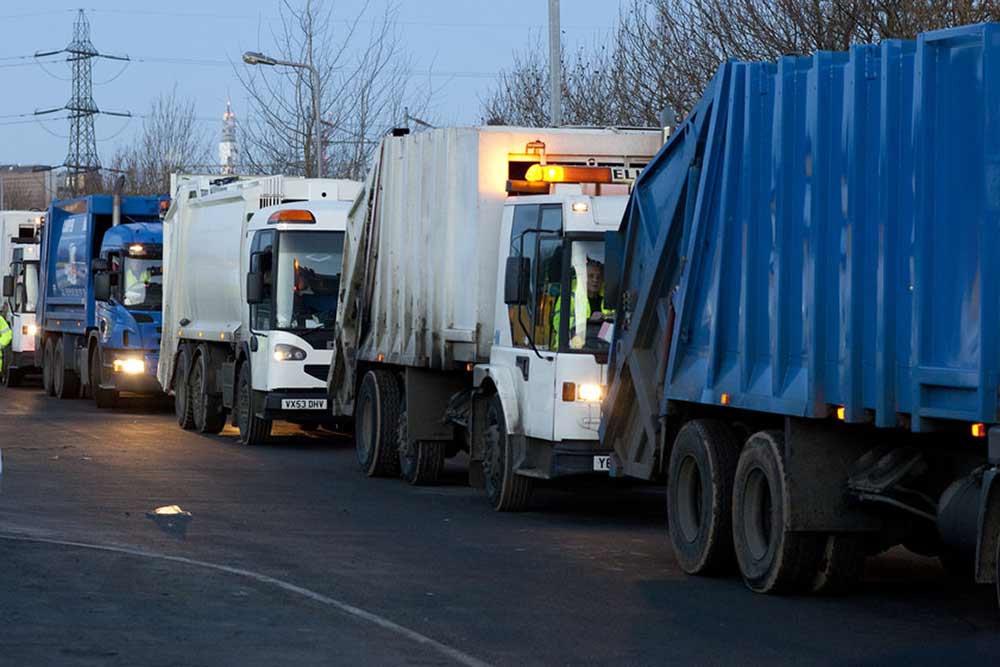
135, 286
5, 337
594, 308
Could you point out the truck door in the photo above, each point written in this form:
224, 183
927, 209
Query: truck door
262, 314
536, 233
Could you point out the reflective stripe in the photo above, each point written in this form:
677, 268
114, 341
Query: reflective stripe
3, 331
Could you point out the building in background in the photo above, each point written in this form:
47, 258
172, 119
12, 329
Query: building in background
228, 150
25, 187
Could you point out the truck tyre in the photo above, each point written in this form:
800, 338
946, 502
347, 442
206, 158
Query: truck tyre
841, 562
772, 559
103, 398
206, 409
182, 395
253, 429
48, 360
376, 419
65, 383
700, 496
506, 490
421, 463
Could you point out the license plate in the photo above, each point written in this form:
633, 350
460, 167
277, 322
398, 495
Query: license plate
602, 463
303, 404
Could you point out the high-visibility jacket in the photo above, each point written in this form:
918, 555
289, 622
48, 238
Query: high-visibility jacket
557, 316
5, 337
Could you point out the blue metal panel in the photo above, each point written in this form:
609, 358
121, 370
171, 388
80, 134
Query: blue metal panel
821, 232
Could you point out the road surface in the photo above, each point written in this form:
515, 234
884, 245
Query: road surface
291, 556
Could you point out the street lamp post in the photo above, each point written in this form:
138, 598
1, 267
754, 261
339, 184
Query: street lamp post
254, 58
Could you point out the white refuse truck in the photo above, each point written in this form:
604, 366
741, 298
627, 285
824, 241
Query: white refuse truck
251, 270
19, 232
471, 314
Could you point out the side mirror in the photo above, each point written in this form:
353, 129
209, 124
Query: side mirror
102, 286
517, 281
8, 286
255, 288
99, 264
614, 250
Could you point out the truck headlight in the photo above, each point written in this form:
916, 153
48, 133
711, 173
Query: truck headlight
129, 366
285, 352
591, 393
29, 330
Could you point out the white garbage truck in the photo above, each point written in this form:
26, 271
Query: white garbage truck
19, 232
251, 270
471, 314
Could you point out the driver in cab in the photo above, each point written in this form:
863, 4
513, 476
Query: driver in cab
595, 312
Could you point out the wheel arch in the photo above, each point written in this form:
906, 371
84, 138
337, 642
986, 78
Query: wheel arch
500, 381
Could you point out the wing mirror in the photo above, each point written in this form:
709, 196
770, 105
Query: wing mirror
517, 281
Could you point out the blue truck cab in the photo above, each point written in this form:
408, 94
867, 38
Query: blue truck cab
100, 306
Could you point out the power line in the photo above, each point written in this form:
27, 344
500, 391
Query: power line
81, 158
426, 24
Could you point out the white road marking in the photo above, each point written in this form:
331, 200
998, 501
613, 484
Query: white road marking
448, 651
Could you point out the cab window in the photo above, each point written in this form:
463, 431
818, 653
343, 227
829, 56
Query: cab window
262, 261
536, 233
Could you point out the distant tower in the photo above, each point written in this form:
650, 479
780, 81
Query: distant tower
228, 151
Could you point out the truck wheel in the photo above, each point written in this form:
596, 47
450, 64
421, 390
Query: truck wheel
103, 398
506, 490
182, 397
253, 429
376, 419
65, 383
48, 360
841, 562
772, 559
996, 573
700, 495
422, 462
206, 409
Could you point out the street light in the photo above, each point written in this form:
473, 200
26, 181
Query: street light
256, 58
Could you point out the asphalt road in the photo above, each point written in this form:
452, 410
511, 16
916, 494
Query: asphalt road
291, 556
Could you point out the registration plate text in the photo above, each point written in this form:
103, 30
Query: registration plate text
303, 404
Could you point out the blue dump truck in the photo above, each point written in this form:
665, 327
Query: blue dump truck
102, 287
808, 336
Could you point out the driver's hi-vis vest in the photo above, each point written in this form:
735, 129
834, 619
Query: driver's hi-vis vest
557, 316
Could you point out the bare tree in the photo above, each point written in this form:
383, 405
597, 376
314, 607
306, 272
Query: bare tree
364, 81
171, 140
672, 48
590, 89
664, 52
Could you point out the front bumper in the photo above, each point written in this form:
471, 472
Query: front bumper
547, 460
268, 405
137, 383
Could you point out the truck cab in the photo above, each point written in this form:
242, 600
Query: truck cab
292, 258
553, 329
129, 294
20, 299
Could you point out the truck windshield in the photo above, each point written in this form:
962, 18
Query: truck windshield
143, 280
28, 298
590, 324
309, 266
